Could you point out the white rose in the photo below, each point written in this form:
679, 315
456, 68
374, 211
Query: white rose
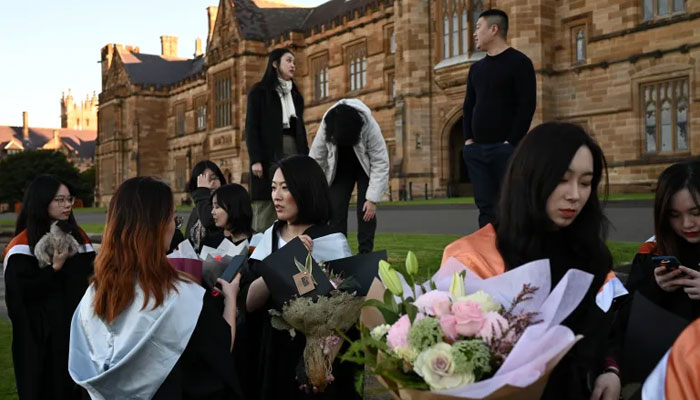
436, 367
485, 301
379, 331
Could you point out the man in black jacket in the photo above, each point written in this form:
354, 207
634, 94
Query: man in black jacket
498, 109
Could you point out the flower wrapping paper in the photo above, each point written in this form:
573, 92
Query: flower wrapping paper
524, 372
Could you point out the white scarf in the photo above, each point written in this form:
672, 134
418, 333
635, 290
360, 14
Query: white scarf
326, 248
285, 91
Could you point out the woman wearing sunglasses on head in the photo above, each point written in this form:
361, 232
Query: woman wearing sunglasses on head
46, 269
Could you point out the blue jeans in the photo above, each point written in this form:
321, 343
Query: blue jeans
486, 164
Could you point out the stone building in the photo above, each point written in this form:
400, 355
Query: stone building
77, 145
625, 69
81, 116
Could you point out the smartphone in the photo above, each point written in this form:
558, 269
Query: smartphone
233, 267
670, 262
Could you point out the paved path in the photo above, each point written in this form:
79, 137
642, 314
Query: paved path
631, 220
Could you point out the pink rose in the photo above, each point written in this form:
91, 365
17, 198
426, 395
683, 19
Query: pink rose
494, 326
469, 317
427, 302
448, 324
442, 307
397, 337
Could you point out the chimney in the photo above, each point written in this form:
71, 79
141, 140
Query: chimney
168, 46
212, 11
25, 125
197, 47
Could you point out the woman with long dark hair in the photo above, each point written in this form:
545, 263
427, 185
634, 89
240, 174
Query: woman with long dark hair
677, 233
143, 329
549, 208
274, 129
43, 285
302, 203
200, 229
675, 287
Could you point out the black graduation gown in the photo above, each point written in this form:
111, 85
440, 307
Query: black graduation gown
206, 369
40, 303
273, 356
212, 235
574, 376
642, 279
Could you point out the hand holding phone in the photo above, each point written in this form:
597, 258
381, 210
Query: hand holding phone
671, 263
233, 267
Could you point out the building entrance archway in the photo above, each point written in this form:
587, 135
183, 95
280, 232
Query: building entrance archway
459, 184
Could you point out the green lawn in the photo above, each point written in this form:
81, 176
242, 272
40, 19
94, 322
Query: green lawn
7, 374
428, 249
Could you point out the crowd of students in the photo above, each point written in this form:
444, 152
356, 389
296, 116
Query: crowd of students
125, 324
136, 328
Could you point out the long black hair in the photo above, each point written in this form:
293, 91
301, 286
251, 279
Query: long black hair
536, 169
199, 169
307, 184
235, 200
34, 215
270, 79
343, 125
683, 175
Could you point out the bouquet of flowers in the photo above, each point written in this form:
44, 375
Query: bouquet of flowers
458, 336
209, 264
323, 313
319, 321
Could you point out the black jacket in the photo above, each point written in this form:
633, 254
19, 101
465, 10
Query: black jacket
212, 236
263, 132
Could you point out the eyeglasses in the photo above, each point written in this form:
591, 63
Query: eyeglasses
70, 200
178, 222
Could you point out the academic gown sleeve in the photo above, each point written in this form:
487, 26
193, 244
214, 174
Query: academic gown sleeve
40, 303
206, 369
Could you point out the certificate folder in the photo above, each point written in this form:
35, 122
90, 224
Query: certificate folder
363, 267
278, 271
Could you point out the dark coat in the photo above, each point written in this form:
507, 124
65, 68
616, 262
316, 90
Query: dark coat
202, 212
263, 132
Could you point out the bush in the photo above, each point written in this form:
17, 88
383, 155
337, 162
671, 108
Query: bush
18, 170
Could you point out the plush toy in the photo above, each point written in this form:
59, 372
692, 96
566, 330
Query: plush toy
58, 237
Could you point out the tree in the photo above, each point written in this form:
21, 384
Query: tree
18, 170
88, 178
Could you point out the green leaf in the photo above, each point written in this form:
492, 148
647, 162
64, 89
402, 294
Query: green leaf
412, 311
390, 316
299, 265
390, 301
360, 382
349, 284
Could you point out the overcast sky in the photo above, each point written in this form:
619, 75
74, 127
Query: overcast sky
47, 47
